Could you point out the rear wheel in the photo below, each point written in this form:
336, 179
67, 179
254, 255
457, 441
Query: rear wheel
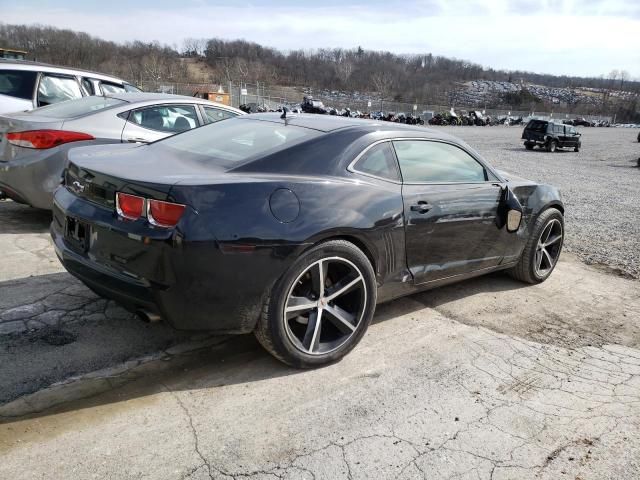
551, 146
528, 146
321, 307
542, 251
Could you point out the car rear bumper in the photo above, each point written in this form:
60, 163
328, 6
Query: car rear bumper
192, 285
535, 142
31, 182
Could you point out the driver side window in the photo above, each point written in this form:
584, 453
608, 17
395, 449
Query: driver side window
423, 161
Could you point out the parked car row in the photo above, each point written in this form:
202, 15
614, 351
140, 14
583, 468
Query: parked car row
288, 225
34, 144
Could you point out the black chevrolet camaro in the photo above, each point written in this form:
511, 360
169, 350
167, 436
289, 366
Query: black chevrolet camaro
295, 228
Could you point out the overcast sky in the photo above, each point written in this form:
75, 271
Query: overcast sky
573, 37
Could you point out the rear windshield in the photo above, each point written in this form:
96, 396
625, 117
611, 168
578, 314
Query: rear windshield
77, 108
18, 83
238, 139
537, 125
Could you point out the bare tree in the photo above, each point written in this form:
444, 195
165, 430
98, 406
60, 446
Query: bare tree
344, 69
241, 68
624, 76
382, 83
194, 47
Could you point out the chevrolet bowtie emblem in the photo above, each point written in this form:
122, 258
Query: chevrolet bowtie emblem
78, 187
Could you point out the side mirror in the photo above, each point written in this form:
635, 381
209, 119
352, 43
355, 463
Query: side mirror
509, 211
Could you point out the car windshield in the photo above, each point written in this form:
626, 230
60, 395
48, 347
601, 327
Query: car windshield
77, 108
236, 140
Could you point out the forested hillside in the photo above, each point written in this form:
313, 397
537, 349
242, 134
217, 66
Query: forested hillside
426, 78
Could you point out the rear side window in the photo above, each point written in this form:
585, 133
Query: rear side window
18, 83
216, 114
108, 88
54, 89
238, 139
166, 118
79, 107
379, 161
88, 86
437, 162
130, 88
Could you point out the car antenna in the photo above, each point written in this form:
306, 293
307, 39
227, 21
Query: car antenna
284, 115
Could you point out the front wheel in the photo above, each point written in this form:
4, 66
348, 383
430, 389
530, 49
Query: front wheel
528, 146
551, 146
542, 251
321, 307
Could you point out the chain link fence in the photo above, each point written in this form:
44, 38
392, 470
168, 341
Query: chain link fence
273, 97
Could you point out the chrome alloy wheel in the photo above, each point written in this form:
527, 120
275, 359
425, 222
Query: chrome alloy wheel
325, 305
548, 248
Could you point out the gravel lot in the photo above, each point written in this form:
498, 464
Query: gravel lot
600, 185
486, 379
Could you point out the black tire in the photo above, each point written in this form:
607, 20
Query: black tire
576, 149
528, 146
551, 146
274, 332
525, 270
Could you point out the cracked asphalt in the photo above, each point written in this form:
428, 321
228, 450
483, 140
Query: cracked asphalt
486, 379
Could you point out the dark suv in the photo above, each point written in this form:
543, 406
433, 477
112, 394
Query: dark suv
550, 135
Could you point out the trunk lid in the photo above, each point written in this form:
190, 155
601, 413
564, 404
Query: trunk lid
10, 104
97, 172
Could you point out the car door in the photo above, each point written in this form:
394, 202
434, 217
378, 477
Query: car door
450, 206
150, 123
562, 135
572, 136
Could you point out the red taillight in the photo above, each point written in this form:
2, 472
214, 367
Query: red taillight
164, 214
128, 206
42, 139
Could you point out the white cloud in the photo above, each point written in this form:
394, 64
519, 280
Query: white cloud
564, 37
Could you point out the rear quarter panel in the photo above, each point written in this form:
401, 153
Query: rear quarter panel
236, 239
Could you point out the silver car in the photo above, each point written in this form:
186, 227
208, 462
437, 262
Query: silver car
34, 144
26, 85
